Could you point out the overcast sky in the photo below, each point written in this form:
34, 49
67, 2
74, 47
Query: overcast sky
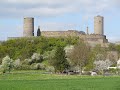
59, 15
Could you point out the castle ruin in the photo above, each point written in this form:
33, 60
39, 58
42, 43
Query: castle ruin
93, 39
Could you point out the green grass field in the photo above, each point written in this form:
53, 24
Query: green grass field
37, 80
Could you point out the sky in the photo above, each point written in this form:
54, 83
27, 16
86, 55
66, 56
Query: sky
54, 15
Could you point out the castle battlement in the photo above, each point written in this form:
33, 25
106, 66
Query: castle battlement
92, 39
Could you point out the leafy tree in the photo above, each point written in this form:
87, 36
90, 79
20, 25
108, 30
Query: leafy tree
36, 57
100, 52
79, 55
91, 59
118, 48
17, 64
101, 65
49, 55
60, 62
23, 48
112, 47
96, 53
7, 64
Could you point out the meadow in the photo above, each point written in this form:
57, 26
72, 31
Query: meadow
39, 80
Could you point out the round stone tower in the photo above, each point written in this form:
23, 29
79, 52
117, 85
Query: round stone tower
99, 25
28, 27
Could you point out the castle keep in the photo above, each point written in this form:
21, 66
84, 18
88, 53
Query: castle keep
97, 38
28, 27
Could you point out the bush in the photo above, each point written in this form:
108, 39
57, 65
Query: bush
50, 69
27, 62
25, 67
17, 64
7, 64
37, 58
42, 66
35, 66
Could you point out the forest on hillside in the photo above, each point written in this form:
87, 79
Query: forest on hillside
41, 53
23, 48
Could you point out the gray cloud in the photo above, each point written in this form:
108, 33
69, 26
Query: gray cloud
16, 8
42, 8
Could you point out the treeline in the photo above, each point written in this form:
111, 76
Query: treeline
23, 48
55, 55
114, 47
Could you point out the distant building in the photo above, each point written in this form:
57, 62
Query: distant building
99, 25
93, 39
28, 27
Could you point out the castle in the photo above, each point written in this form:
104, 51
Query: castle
93, 39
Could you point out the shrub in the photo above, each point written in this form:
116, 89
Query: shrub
17, 64
27, 62
7, 64
37, 58
35, 66
50, 69
25, 67
42, 66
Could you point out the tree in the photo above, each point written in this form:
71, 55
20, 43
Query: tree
112, 47
79, 55
49, 55
7, 64
90, 61
101, 65
60, 62
100, 52
33, 62
36, 57
38, 32
23, 48
17, 64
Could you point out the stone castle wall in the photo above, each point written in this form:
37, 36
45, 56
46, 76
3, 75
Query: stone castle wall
61, 33
92, 39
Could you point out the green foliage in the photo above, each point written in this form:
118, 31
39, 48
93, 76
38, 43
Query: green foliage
50, 69
23, 48
37, 58
35, 66
17, 64
112, 47
60, 62
49, 57
100, 52
7, 64
33, 63
91, 59
118, 48
27, 62
79, 55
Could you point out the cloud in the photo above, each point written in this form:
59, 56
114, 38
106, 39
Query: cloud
115, 3
43, 8
34, 8
53, 26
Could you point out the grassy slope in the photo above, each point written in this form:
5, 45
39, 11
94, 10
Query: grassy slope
33, 80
